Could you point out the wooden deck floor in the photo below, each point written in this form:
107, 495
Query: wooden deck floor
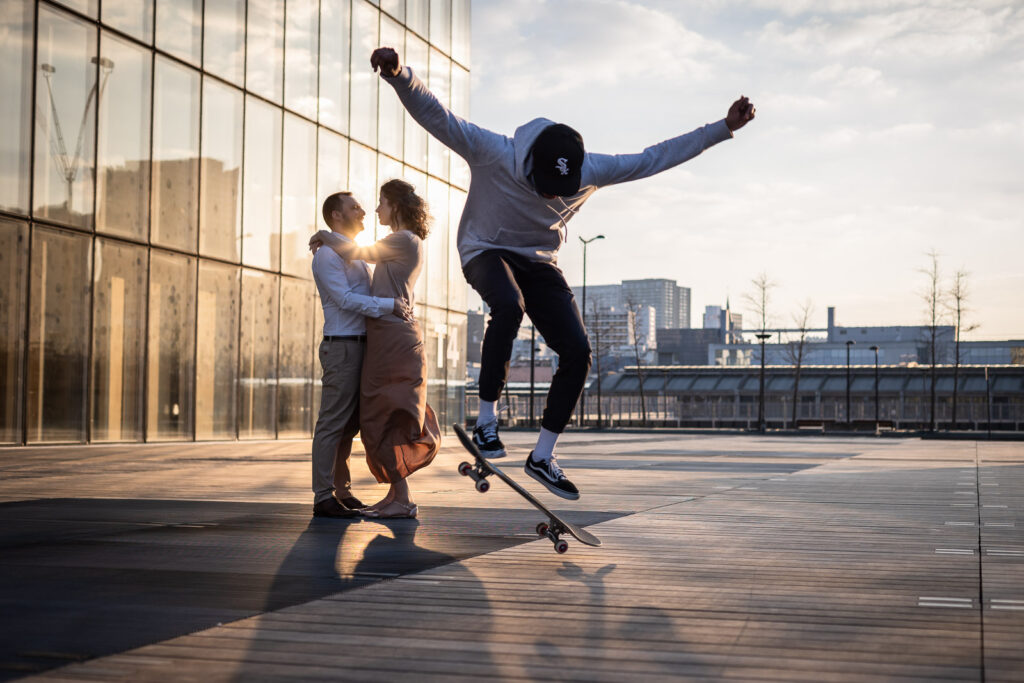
729, 558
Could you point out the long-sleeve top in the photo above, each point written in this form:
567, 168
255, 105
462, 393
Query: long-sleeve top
398, 258
503, 209
345, 293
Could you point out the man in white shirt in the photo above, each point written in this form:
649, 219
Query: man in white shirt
345, 296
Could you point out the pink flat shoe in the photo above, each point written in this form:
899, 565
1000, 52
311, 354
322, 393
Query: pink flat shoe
393, 510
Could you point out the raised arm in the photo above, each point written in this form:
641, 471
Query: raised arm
474, 144
609, 169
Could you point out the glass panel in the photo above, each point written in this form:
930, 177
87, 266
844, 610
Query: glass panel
171, 344
318, 326
58, 336
332, 168
364, 80
119, 324
258, 355
16, 106
417, 14
134, 17
418, 180
217, 350
122, 192
179, 28
436, 245
298, 196
335, 43
415, 135
224, 39
300, 56
392, 113
395, 8
261, 230
440, 84
13, 272
84, 6
441, 24
435, 344
458, 292
362, 182
455, 379
175, 155
460, 105
461, 31
265, 56
220, 191
65, 124
295, 365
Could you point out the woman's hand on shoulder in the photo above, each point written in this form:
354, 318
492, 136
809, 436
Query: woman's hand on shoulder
320, 238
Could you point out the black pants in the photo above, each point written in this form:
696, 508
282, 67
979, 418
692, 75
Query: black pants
512, 284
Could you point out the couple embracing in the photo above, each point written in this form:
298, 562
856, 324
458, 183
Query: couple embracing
374, 366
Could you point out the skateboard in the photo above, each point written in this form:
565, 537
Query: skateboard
553, 528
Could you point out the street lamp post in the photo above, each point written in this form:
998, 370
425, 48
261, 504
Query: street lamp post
849, 418
533, 360
875, 349
583, 394
761, 425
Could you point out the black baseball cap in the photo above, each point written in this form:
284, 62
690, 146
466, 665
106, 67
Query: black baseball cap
558, 161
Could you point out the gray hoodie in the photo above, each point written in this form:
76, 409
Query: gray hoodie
503, 209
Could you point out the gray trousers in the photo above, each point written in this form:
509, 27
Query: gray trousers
338, 422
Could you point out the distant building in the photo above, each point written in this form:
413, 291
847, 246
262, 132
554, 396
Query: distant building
670, 302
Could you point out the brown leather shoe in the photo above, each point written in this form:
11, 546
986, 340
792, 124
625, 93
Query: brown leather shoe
352, 503
330, 507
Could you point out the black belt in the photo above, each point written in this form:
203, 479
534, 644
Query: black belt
345, 337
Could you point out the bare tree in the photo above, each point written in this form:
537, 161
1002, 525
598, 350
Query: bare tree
758, 299
957, 301
934, 299
796, 349
634, 313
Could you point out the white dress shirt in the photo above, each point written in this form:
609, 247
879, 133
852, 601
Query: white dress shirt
345, 293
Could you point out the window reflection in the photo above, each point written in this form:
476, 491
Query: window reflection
395, 8
298, 196
122, 190
66, 91
440, 85
119, 323
220, 192
295, 363
171, 346
58, 336
441, 24
332, 168
300, 56
179, 28
415, 135
436, 271
318, 328
461, 21
362, 182
265, 54
134, 17
258, 355
217, 350
456, 285
455, 378
335, 39
363, 126
224, 39
175, 155
435, 345
417, 14
391, 113
261, 230
16, 22
460, 106
84, 6
13, 272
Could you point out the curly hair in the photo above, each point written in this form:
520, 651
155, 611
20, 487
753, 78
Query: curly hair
409, 207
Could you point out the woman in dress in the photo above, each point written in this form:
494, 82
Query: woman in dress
398, 429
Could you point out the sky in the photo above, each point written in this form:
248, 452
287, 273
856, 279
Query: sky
885, 129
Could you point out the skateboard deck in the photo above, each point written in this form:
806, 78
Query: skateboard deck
552, 529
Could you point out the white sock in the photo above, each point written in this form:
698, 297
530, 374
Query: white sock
486, 412
545, 448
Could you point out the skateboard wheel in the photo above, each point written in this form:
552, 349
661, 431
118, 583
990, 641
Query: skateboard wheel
542, 529
482, 486
561, 547
464, 468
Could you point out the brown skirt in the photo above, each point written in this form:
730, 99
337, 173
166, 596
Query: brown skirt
399, 430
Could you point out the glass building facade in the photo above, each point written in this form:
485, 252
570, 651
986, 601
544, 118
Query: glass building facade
162, 166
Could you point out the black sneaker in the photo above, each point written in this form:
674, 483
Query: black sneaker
485, 436
551, 475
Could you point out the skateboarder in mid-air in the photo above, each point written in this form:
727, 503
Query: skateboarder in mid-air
523, 191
